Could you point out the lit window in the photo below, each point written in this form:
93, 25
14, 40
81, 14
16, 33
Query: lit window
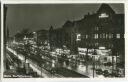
106, 35
103, 15
96, 28
103, 35
100, 35
96, 36
117, 35
78, 37
86, 36
110, 35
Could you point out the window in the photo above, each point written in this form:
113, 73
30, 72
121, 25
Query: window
106, 35
96, 28
110, 35
86, 36
96, 36
103, 35
78, 37
100, 35
117, 35
96, 44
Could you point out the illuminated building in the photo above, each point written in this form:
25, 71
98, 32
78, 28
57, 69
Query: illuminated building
105, 29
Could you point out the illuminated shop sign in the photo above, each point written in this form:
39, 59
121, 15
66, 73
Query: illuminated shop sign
101, 48
103, 15
103, 52
82, 51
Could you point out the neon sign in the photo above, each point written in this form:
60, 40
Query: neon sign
103, 15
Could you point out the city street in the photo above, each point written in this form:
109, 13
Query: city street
36, 68
76, 66
55, 42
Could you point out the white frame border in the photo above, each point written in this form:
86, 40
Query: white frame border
66, 2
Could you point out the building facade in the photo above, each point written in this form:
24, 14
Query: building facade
105, 28
99, 35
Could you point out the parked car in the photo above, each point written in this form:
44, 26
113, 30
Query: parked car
106, 73
99, 71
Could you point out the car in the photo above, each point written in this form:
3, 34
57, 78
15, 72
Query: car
116, 73
99, 71
52, 71
106, 73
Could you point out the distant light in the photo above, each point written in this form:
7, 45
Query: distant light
103, 15
82, 50
101, 48
118, 35
78, 38
103, 52
34, 32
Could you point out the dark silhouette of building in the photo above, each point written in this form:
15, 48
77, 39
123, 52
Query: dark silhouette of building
42, 36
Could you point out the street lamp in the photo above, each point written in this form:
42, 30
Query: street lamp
93, 57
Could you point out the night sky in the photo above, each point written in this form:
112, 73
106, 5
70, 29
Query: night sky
42, 16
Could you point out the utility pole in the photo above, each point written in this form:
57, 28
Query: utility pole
114, 52
41, 71
94, 54
93, 66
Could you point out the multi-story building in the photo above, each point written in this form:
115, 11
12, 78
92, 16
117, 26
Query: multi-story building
100, 35
103, 28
